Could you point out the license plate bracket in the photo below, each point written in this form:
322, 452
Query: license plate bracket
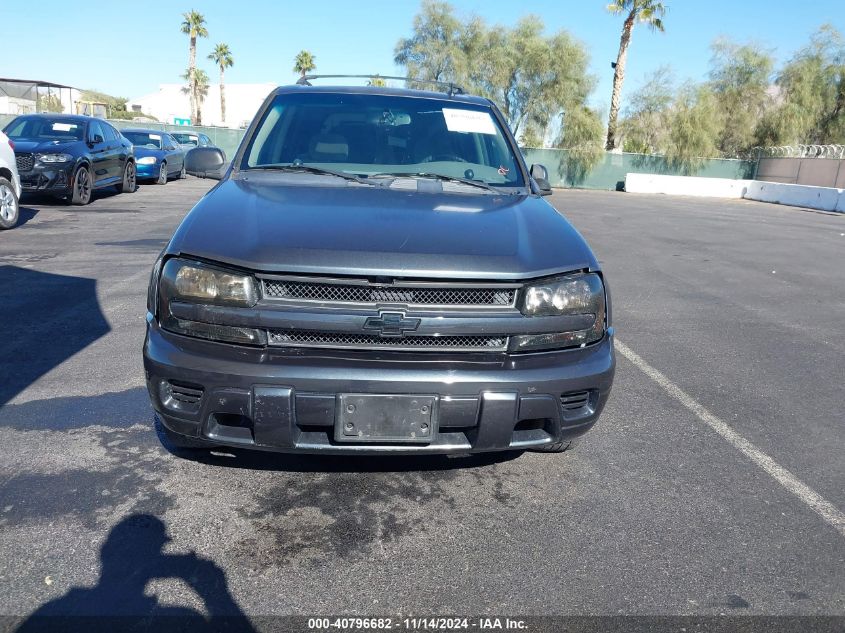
385, 418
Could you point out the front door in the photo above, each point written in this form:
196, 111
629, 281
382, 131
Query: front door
101, 159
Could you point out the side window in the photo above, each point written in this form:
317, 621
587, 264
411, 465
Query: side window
95, 129
17, 127
170, 142
111, 133
205, 141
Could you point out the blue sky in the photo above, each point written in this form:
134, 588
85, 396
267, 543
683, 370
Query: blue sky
118, 48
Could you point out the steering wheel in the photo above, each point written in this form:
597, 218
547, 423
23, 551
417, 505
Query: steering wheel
445, 157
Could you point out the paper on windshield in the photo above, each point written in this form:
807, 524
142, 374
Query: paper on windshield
63, 127
155, 137
468, 121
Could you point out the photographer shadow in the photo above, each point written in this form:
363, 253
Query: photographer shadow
131, 558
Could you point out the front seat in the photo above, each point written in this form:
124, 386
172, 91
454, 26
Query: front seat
329, 148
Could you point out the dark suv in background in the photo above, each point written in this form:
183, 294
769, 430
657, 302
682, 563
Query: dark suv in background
377, 272
70, 156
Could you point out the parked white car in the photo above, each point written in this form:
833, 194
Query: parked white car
10, 184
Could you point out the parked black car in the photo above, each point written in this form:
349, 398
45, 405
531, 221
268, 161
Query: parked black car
70, 156
377, 272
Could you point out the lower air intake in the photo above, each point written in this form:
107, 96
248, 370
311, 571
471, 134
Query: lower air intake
575, 403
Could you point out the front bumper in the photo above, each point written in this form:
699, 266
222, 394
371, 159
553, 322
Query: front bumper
286, 401
53, 179
147, 171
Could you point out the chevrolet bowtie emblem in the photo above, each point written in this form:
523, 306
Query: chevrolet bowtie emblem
392, 324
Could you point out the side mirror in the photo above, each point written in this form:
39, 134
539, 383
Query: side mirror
206, 162
540, 175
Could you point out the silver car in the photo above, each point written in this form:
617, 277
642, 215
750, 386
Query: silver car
10, 184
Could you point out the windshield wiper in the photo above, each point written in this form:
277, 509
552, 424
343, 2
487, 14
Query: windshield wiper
423, 174
308, 169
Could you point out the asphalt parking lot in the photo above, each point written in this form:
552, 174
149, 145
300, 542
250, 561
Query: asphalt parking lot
731, 317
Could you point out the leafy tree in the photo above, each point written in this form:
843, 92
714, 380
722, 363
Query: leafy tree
693, 128
532, 136
740, 79
304, 63
581, 135
644, 126
193, 25
811, 95
222, 57
49, 103
436, 51
531, 77
649, 12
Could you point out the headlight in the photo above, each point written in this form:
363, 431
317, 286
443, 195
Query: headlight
195, 282
54, 158
201, 283
147, 160
580, 294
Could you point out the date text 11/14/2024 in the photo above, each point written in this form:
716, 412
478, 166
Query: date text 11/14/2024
415, 624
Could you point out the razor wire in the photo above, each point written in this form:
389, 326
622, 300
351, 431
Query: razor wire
799, 151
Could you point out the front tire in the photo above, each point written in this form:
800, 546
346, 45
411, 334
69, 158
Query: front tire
557, 447
162, 174
9, 205
130, 179
82, 186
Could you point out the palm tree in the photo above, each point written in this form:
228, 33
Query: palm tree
198, 88
193, 25
304, 63
650, 12
222, 56
201, 88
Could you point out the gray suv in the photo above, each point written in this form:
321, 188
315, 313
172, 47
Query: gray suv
377, 273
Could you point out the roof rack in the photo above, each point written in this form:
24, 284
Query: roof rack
453, 88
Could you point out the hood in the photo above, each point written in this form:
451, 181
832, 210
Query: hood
267, 224
27, 145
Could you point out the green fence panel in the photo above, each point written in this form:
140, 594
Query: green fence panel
610, 172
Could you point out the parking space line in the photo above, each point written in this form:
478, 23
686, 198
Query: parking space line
821, 506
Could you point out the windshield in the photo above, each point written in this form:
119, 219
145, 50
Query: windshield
371, 135
144, 139
48, 129
184, 139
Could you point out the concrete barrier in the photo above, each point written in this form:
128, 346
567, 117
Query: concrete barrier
686, 185
822, 198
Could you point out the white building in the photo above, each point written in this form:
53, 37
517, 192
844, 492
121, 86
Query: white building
171, 102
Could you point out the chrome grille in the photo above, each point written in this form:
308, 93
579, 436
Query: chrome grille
313, 338
410, 294
24, 162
